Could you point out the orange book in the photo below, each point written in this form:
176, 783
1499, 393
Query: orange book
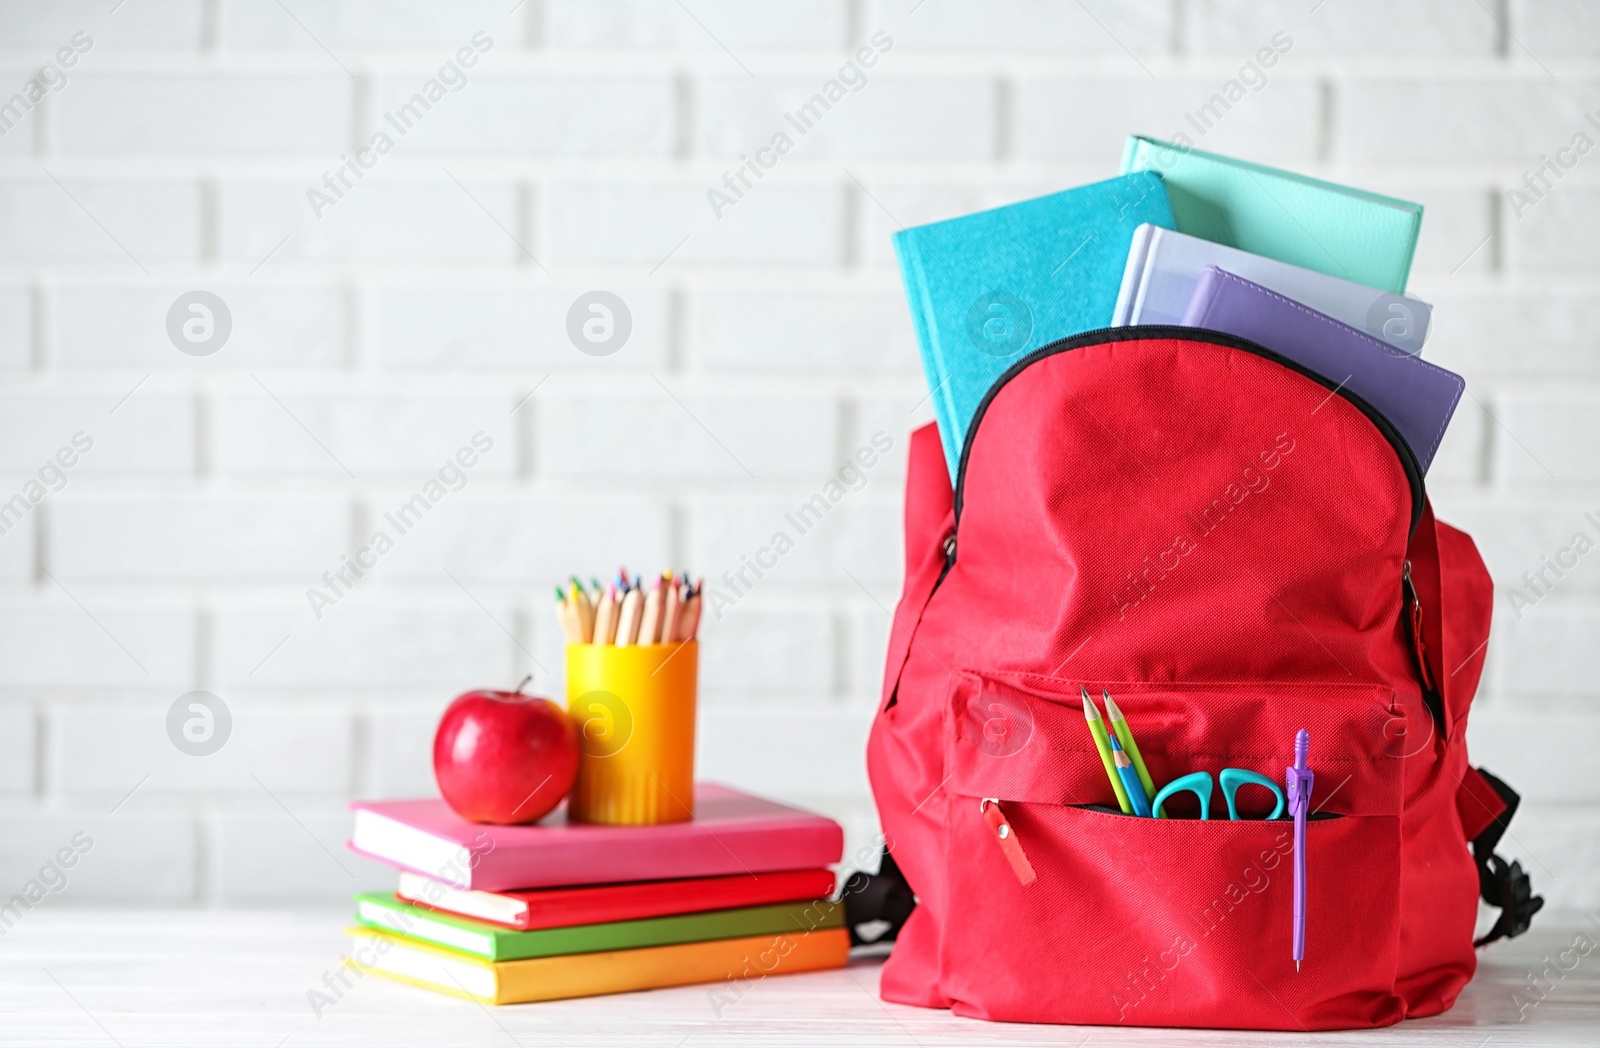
589, 974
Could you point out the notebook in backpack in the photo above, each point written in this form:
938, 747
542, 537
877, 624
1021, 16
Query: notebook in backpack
1236, 549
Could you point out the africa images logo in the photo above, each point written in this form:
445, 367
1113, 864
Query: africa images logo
599, 323
999, 323
199, 723
199, 323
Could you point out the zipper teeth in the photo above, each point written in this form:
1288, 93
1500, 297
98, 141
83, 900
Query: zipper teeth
1106, 809
1099, 336
1411, 623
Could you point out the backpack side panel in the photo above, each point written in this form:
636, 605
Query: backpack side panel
1439, 878
904, 750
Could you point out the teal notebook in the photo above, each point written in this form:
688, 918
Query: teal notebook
495, 943
1343, 232
986, 288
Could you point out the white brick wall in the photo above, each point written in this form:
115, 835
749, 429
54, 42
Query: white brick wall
290, 749
14, 335
20, 732
66, 216
805, 25
163, 113
792, 222
375, 332
910, 118
1066, 118
117, 324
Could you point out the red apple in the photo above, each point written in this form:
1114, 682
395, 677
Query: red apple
504, 757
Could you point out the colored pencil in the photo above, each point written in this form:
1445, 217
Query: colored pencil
1130, 779
605, 618
569, 628
1102, 743
671, 610
583, 609
689, 618
1119, 725
627, 612
650, 623
628, 617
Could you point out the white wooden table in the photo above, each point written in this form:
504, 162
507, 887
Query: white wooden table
106, 978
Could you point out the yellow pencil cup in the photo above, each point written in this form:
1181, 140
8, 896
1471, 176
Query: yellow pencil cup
633, 707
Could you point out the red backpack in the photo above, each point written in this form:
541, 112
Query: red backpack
1236, 549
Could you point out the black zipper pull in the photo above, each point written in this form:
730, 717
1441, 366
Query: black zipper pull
950, 548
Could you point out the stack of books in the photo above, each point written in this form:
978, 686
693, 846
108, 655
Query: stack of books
1311, 270
509, 914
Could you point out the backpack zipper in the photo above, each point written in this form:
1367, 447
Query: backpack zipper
1006, 835
1419, 647
1402, 450
949, 546
1408, 458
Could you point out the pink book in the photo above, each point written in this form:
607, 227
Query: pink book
732, 832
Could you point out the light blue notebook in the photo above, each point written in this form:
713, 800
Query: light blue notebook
985, 289
1343, 232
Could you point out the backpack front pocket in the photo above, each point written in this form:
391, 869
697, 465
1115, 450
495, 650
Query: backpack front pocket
1172, 921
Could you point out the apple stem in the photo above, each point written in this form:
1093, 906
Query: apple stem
524, 683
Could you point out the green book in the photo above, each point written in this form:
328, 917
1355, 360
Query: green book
388, 913
1333, 229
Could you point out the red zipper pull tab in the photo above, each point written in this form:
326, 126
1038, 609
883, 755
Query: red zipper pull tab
1007, 837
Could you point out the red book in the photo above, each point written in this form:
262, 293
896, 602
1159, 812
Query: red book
604, 903
731, 833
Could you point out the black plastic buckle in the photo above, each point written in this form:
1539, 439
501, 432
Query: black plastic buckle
1501, 883
1505, 885
877, 898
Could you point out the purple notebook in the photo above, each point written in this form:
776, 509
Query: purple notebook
1416, 397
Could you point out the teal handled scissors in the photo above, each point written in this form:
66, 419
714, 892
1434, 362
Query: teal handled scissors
1199, 784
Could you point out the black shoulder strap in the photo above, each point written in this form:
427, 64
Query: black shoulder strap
1503, 884
883, 898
